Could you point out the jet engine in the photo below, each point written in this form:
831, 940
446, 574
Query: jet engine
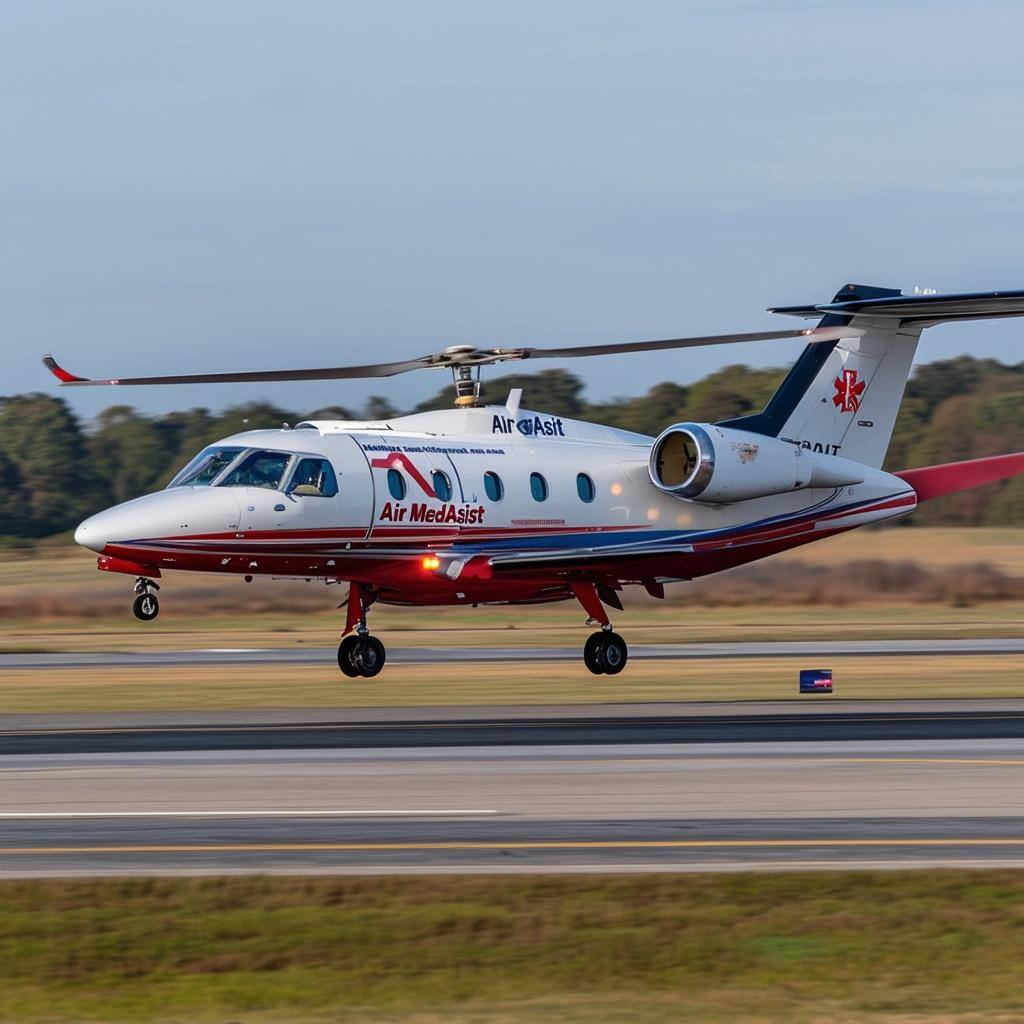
717, 465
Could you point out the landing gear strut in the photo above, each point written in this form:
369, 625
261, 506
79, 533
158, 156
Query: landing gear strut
359, 654
145, 606
605, 652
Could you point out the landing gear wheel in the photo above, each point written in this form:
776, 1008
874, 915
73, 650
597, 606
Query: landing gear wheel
368, 656
605, 653
591, 654
345, 652
613, 653
146, 607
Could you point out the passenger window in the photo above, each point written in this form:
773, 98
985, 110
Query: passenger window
314, 478
442, 485
585, 487
493, 486
538, 487
259, 469
396, 484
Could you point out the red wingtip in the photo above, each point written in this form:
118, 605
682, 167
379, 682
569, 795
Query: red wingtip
59, 372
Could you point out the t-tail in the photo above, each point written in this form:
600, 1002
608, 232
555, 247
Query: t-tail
842, 397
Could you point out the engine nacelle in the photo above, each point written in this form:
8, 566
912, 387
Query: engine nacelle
717, 465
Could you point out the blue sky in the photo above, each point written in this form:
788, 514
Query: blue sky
216, 186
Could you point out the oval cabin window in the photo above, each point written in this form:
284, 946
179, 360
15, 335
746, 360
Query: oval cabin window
396, 484
584, 487
442, 485
493, 486
538, 487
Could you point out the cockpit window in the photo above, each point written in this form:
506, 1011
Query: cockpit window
206, 467
258, 469
315, 478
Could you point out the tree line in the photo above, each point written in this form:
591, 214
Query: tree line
55, 470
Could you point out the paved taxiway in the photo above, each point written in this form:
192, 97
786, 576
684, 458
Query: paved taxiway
653, 787
815, 649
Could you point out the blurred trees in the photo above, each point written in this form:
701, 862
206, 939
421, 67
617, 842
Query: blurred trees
54, 471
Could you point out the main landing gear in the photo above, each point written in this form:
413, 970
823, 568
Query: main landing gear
359, 654
146, 606
605, 652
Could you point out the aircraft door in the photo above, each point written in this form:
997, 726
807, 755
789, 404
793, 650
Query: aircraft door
322, 491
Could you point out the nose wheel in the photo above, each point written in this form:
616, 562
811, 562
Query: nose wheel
361, 655
605, 653
145, 606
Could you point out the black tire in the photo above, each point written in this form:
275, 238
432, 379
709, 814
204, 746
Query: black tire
591, 653
346, 650
613, 653
146, 607
369, 656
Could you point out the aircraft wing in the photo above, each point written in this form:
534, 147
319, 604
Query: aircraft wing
583, 558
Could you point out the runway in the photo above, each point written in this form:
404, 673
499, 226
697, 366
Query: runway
765, 722
815, 649
674, 787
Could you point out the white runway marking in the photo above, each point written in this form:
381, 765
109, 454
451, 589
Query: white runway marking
295, 813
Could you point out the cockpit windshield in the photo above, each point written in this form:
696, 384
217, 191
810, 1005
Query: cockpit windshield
259, 469
206, 467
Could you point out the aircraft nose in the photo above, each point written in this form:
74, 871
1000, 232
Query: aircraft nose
91, 534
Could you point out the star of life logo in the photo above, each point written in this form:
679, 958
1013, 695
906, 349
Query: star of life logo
848, 391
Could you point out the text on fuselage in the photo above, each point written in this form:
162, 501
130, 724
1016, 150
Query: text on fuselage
528, 426
421, 512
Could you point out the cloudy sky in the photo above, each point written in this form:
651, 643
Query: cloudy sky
202, 186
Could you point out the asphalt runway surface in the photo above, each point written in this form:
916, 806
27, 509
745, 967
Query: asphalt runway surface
382, 728
649, 787
429, 655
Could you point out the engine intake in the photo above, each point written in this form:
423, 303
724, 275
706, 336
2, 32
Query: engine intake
705, 463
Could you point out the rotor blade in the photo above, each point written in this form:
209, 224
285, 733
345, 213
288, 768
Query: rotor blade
457, 355
248, 377
813, 334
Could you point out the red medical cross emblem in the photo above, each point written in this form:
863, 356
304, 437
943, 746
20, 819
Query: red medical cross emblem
848, 391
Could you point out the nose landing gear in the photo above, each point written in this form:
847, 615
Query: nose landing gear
359, 654
145, 606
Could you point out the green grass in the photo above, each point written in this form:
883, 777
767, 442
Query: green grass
935, 946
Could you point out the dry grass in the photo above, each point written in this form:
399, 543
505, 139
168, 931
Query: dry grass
932, 547
121, 689
901, 567
909, 947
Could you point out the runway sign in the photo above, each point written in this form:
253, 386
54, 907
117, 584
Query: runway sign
816, 680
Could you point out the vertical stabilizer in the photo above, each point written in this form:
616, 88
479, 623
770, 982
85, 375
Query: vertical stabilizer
842, 398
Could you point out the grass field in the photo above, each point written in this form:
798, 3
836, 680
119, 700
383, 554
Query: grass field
870, 678
58, 601
90, 613
933, 947
550, 626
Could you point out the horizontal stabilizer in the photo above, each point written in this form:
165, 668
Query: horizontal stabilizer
923, 310
935, 481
